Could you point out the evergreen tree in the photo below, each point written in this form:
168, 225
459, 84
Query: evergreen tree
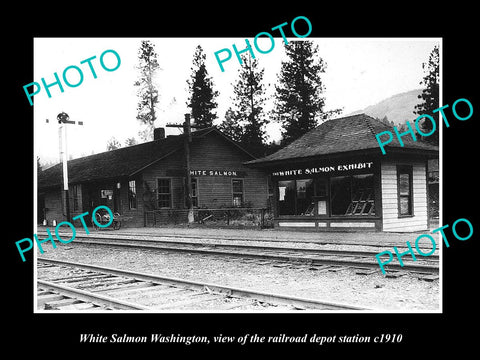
230, 126
202, 96
113, 144
130, 141
430, 95
298, 101
249, 99
147, 92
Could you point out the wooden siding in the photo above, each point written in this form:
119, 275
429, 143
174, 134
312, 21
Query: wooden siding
53, 204
211, 153
391, 220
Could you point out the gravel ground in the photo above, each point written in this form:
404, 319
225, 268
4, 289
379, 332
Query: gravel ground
374, 291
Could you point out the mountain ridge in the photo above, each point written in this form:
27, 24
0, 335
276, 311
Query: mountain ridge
397, 108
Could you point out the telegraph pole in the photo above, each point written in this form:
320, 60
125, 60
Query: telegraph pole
187, 131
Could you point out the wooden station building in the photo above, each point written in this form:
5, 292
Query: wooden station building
152, 176
336, 178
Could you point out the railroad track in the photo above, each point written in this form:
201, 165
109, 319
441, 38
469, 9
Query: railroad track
315, 257
63, 285
158, 236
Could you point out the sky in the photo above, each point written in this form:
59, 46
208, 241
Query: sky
359, 72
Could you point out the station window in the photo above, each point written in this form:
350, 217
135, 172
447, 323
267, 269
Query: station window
194, 192
341, 188
304, 196
164, 194
237, 190
132, 195
286, 197
296, 197
349, 196
352, 195
405, 193
321, 196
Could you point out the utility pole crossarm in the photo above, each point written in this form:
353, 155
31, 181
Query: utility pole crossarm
186, 126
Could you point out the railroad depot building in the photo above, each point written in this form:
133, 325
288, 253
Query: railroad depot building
151, 177
336, 178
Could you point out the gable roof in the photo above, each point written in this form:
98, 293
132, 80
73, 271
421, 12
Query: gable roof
123, 162
343, 135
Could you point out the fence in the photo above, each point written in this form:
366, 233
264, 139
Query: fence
221, 217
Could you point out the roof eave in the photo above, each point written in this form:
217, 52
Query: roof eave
367, 152
430, 153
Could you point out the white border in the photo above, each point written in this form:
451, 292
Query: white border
440, 310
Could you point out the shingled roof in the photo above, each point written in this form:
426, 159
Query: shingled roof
343, 135
123, 162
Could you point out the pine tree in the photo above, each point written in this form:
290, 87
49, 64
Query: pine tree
298, 101
113, 144
202, 96
230, 126
130, 141
147, 92
430, 95
249, 100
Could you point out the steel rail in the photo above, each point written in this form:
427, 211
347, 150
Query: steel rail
93, 298
302, 303
265, 255
241, 246
225, 238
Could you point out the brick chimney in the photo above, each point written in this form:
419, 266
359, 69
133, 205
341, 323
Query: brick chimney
158, 133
